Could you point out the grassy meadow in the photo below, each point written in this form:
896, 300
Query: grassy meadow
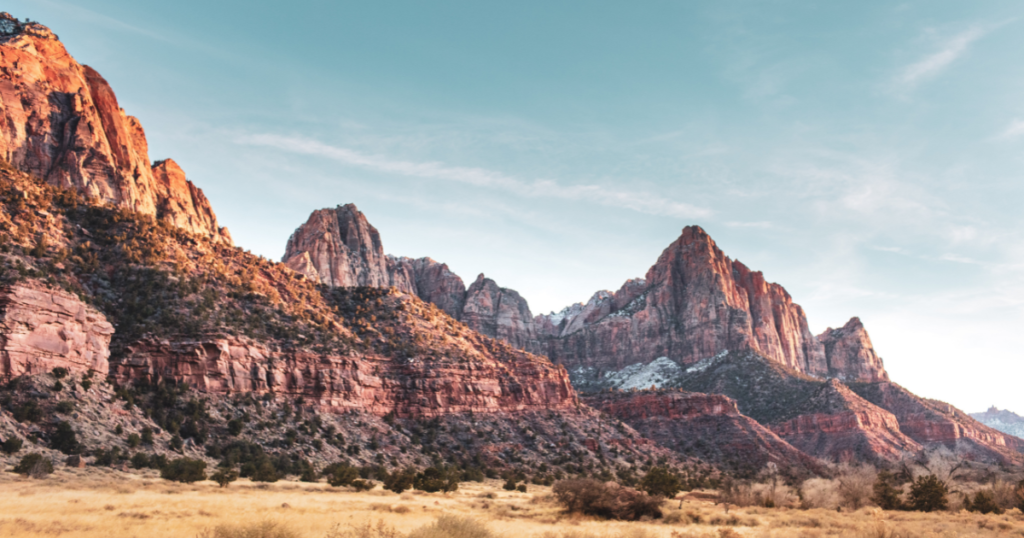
101, 503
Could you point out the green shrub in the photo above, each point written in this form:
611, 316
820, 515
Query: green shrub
34, 465
510, 484
434, 479
184, 470
400, 481
928, 494
60, 372
65, 407
521, 488
265, 472
176, 443
340, 474
134, 440
661, 481
28, 412
86, 384
235, 427
147, 435
983, 502
12, 445
140, 460
107, 457
224, 476
64, 439
606, 499
885, 494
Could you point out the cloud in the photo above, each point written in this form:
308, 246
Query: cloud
1015, 129
935, 63
641, 202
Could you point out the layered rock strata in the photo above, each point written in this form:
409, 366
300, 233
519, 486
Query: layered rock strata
60, 121
694, 303
708, 426
339, 247
837, 425
1003, 420
417, 386
42, 329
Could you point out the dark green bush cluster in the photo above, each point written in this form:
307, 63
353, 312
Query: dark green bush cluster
927, 493
141, 460
184, 470
606, 499
661, 481
983, 502
11, 446
34, 465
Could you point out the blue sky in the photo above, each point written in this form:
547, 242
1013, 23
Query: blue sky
868, 156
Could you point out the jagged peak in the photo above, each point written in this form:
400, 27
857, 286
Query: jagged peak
11, 26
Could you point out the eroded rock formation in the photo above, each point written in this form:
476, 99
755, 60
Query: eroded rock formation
61, 122
850, 354
42, 329
341, 246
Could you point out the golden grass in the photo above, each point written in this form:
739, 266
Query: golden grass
108, 504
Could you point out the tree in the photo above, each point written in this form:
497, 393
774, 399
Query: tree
661, 481
436, 479
886, 496
224, 476
265, 472
928, 494
341, 474
184, 470
12, 445
64, 439
983, 502
34, 465
400, 481
510, 484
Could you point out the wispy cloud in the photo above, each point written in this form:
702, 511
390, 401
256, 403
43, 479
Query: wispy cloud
1013, 130
642, 202
949, 51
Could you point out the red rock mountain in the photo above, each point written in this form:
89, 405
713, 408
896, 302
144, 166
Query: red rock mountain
339, 247
61, 122
694, 303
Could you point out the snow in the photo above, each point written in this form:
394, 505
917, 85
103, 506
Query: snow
657, 373
704, 364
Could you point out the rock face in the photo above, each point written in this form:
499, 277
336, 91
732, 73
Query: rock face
431, 386
61, 122
709, 426
339, 247
42, 329
837, 425
1001, 419
850, 354
694, 303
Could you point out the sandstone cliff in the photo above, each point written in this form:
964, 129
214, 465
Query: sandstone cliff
61, 122
42, 329
339, 247
694, 303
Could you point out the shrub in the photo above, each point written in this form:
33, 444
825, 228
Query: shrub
928, 494
11, 446
147, 435
58, 386
450, 526
60, 372
224, 476
400, 481
434, 479
86, 384
661, 481
510, 484
340, 474
235, 427
176, 442
265, 472
1018, 492
855, 485
264, 529
34, 465
606, 499
362, 485
885, 494
65, 407
184, 470
28, 412
983, 502
64, 439
134, 440
107, 457
140, 460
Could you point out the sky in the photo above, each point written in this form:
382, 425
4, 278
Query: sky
868, 156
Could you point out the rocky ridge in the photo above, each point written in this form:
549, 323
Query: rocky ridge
1003, 420
62, 123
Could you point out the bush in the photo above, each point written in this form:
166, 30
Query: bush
64, 439
521, 488
885, 494
450, 526
28, 412
606, 499
510, 484
147, 435
928, 494
65, 407
264, 529
434, 479
140, 460
661, 481
86, 384
224, 476
11, 446
265, 472
341, 474
134, 440
34, 465
400, 481
235, 427
60, 372
983, 502
184, 470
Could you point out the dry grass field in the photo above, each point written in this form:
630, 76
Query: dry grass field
101, 503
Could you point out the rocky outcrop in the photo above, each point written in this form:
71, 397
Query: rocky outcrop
1003, 420
60, 121
416, 386
708, 426
343, 248
850, 355
339, 247
838, 425
694, 303
931, 422
42, 329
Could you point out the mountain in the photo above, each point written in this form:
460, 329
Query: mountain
1002, 420
339, 247
696, 302
62, 123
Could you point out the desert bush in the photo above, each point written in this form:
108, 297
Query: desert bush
451, 526
366, 530
28, 412
265, 472
34, 465
433, 479
263, 529
11, 446
134, 440
820, 493
855, 485
184, 470
235, 427
984, 501
224, 476
510, 484
884, 492
65, 407
928, 494
606, 499
140, 460
661, 481
400, 481
147, 435
59, 372
64, 439
340, 474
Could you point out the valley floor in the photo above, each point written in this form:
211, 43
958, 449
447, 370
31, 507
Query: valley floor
110, 504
